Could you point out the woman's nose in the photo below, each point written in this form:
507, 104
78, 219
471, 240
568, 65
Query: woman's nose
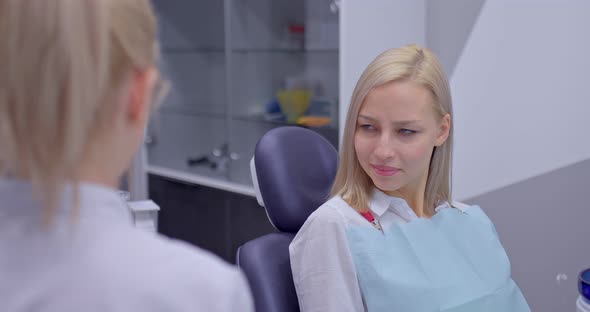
385, 148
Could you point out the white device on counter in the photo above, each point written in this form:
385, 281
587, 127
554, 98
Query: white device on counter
144, 214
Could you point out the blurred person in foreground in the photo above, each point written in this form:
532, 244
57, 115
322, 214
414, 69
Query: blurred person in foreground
77, 83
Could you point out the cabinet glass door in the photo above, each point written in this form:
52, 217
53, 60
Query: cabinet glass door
237, 69
284, 72
189, 132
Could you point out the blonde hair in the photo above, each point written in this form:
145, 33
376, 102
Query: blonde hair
61, 64
409, 63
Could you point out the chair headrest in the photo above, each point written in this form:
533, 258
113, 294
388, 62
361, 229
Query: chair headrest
293, 170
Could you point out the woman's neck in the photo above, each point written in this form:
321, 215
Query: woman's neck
414, 195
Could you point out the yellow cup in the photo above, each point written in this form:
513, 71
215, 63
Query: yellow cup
294, 103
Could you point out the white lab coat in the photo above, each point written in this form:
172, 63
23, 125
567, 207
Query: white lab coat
100, 262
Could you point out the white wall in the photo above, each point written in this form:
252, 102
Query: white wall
520, 92
369, 27
518, 75
518, 80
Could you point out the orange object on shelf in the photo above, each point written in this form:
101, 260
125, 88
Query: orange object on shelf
314, 121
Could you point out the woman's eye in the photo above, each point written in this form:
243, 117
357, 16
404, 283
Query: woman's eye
407, 131
367, 127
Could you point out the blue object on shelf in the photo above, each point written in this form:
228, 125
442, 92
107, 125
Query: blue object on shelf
584, 284
273, 106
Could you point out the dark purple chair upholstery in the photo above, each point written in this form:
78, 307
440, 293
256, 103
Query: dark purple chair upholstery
293, 170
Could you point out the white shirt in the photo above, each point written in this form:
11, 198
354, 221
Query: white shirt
100, 262
323, 269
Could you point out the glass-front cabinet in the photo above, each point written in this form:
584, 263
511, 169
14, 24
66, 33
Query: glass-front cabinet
237, 69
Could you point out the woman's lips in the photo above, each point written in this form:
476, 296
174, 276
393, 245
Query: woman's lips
385, 171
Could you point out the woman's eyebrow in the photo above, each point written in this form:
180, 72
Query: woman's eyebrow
396, 123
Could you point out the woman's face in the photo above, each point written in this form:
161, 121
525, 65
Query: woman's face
396, 132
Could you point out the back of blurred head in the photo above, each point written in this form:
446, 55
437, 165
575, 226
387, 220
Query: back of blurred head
76, 82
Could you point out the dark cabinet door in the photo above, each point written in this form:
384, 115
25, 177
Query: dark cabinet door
212, 219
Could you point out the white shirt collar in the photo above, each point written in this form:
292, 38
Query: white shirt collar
381, 202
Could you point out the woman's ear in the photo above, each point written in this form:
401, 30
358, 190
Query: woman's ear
444, 130
141, 87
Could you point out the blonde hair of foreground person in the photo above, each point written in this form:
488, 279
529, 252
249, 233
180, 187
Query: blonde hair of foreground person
69, 70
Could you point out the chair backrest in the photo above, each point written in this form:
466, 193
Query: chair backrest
293, 170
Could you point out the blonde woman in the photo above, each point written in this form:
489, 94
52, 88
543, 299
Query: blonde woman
76, 84
391, 238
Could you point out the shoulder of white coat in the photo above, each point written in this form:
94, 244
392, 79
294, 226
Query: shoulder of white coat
175, 274
196, 262
196, 273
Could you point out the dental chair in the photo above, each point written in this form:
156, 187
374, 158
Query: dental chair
293, 170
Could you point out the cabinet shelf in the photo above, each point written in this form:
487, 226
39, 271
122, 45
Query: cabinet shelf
258, 118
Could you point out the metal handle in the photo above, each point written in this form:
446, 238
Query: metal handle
335, 6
